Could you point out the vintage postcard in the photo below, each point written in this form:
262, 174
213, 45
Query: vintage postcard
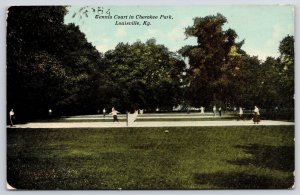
150, 97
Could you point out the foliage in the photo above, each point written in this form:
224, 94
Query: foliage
49, 64
287, 72
34, 75
220, 72
211, 60
268, 84
52, 65
144, 75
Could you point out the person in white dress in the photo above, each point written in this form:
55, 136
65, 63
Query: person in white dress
202, 110
215, 110
256, 118
241, 112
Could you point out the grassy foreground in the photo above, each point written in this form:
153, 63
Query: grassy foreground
255, 157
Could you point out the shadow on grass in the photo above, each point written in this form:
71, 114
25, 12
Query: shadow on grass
280, 158
31, 173
242, 181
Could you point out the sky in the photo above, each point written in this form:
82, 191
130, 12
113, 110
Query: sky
261, 26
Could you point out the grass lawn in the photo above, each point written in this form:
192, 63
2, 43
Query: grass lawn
252, 157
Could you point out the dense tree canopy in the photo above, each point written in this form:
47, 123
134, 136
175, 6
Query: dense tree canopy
144, 75
49, 64
269, 84
220, 72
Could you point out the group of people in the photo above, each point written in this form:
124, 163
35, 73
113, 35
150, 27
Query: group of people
219, 110
114, 113
256, 115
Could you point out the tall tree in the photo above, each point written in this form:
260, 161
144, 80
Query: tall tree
31, 68
287, 71
210, 60
84, 67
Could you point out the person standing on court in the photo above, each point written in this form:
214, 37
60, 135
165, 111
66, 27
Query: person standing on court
11, 117
114, 113
241, 112
50, 113
215, 110
220, 111
202, 109
104, 112
256, 118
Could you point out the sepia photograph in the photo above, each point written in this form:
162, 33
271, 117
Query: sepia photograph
150, 97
